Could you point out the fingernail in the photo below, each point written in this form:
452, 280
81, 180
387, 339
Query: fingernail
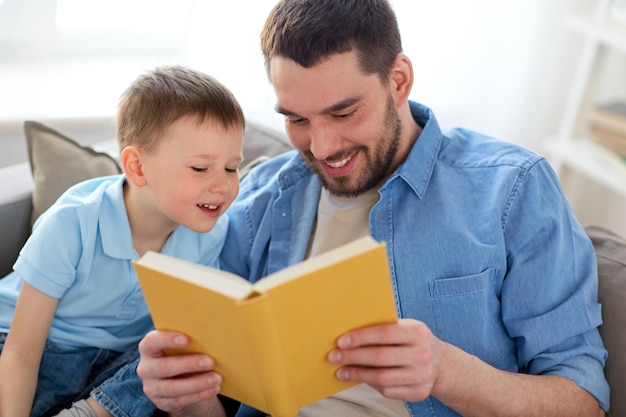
344, 342
206, 363
334, 356
342, 374
215, 380
179, 340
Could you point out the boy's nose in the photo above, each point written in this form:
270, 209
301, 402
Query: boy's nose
220, 183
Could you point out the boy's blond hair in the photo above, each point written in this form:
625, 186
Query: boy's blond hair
163, 95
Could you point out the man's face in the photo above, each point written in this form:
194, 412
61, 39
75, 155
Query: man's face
344, 123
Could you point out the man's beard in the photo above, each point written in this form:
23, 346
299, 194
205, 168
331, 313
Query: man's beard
378, 164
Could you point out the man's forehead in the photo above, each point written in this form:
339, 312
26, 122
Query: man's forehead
330, 86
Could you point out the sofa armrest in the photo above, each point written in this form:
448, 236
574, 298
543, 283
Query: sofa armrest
611, 255
16, 187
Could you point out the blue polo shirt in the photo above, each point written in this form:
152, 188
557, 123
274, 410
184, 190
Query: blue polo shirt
482, 244
80, 252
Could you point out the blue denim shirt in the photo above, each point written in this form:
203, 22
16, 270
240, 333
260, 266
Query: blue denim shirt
482, 244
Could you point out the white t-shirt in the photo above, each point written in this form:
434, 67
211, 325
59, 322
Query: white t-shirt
341, 220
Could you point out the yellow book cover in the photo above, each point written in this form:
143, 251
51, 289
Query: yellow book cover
270, 339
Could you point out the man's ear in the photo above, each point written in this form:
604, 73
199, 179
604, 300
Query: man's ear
131, 160
401, 79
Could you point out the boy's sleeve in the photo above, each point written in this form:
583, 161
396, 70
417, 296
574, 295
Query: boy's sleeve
51, 254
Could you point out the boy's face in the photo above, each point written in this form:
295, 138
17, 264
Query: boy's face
344, 123
191, 176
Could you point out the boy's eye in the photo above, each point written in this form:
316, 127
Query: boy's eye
232, 170
197, 169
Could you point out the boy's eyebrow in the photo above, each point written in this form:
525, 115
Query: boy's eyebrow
212, 156
335, 108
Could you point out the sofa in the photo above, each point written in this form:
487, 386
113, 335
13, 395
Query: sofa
56, 161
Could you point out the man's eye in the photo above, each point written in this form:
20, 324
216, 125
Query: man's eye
296, 121
343, 116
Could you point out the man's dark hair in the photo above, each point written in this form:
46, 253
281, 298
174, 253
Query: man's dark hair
309, 31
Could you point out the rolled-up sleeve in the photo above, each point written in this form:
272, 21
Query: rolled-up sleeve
551, 258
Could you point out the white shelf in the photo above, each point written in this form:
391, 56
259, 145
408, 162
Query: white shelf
591, 159
570, 148
610, 34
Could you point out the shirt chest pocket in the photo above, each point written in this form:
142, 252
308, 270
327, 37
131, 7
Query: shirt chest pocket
467, 312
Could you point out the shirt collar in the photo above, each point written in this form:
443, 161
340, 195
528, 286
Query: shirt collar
419, 165
416, 170
115, 233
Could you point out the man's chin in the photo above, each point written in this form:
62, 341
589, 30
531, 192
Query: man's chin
341, 188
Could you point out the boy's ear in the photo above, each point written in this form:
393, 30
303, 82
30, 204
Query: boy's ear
131, 160
401, 79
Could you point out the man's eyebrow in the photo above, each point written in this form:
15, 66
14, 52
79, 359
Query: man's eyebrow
343, 104
337, 107
284, 111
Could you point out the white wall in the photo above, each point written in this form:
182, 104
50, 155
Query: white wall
489, 65
501, 67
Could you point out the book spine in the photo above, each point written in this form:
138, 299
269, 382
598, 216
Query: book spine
614, 141
608, 120
259, 325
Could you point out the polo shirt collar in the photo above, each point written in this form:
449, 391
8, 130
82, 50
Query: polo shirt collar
117, 240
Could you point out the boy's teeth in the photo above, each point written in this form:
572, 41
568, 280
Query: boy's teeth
209, 206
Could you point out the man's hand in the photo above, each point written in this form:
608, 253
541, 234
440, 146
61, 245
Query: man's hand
185, 383
406, 361
401, 360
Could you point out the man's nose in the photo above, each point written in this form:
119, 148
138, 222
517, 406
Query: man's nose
324, 141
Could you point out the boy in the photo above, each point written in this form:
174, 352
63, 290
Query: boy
73, 300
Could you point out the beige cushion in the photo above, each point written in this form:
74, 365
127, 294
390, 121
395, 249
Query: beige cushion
57, 162
611, 254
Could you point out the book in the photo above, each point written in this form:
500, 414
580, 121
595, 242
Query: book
270, 339
609, 116
609, 139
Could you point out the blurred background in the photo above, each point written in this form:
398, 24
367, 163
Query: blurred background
505, 68
500, 67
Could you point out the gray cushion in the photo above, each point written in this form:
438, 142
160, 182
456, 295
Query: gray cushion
611, 254
261, 142
16, 186
58, 162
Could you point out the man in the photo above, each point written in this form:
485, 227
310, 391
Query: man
495, 280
